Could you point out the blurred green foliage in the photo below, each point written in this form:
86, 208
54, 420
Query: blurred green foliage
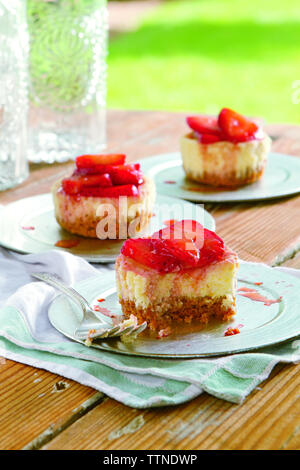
200, 55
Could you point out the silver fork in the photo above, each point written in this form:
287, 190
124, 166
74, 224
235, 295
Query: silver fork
91, 327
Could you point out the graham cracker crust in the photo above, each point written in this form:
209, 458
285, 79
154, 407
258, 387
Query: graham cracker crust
227, 180
179, 309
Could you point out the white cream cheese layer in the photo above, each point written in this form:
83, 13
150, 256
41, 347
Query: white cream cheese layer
224, 157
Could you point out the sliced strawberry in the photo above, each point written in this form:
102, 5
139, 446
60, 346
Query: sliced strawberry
71, 185
169, 254
75, 184
204, 124
103, 180
99, 169
125, 175
128, 166
184, 229
113, 191
184, 251
152, 253
193, 235
236, 128
162, 255
208, 138
133, 166
90, 161
212, 249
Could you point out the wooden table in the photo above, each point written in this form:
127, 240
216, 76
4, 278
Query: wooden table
80, 418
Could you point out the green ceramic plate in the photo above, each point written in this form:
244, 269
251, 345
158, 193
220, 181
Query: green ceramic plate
260, 325
29, 226
281, 178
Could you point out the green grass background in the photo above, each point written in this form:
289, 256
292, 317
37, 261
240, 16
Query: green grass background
201, 55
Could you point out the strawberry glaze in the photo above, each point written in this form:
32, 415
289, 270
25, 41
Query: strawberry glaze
67, 243
254, 295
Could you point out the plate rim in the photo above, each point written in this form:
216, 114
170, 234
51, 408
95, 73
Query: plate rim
198, 197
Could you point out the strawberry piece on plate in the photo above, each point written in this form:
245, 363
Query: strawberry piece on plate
90, 161
113, 191
237, 128
204, 124
124, 174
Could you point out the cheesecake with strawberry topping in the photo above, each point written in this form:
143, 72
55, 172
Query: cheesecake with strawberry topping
104, 198
229, 150
182, 273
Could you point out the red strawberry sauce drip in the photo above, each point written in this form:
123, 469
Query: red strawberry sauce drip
256, 296
67, 243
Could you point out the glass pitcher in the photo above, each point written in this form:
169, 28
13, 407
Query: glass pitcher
13, 93
67, 69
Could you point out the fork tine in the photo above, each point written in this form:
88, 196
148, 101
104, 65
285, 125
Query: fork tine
122, 332
101, 333
127, 330
138, 329
89, 328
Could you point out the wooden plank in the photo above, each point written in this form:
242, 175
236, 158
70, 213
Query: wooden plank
263, 232
31, 404
205, 423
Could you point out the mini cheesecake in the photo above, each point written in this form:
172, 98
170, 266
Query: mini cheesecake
104, 198
228, 150
165, 279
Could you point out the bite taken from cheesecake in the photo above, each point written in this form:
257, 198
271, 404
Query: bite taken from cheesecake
104, 198
182, 273
227, 150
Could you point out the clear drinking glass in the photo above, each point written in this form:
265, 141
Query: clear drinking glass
13, 93
67, 68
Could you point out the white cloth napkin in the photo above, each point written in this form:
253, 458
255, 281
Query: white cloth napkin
18, 289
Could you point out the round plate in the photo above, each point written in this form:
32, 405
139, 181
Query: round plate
260, 325
281, 178
29, 226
